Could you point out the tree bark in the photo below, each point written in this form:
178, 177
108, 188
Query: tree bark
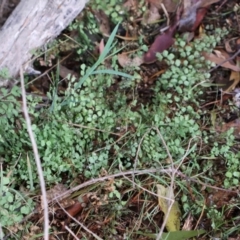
32, 24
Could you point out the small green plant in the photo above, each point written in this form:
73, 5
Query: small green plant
112, 8
13, 204
216, 217
187, 67
88, 30
224, 152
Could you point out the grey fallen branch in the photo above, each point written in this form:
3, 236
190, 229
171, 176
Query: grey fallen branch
31, 25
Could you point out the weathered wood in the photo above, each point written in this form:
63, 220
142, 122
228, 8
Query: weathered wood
32, 24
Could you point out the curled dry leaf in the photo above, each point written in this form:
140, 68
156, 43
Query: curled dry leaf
126, 61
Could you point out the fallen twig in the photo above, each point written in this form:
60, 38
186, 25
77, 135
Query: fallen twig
36, 156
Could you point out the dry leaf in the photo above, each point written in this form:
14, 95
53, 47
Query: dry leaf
103, 20
221, 54
125, 61
230, 45
151, 15
193, 14
235, 124
101, 46
235, 77
170, 5
173, 220
67, 73
54, 192
131, 5
188, 224
215, 59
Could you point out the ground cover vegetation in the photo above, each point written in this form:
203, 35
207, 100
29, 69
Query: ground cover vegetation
99, 109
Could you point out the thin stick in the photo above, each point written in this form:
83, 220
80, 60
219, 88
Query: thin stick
101, 179
138, 172
92, 128
203, 208
192, 179
144, 189
224, 1
36, 156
